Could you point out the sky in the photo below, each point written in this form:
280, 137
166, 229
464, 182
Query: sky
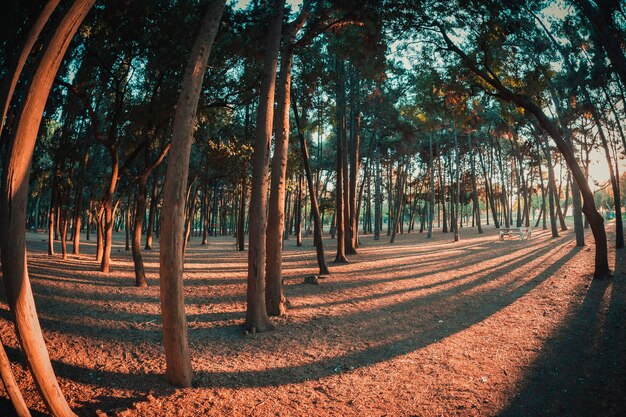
295, 4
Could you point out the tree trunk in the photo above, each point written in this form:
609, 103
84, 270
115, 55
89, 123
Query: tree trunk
192, 198
64, 222
377, 194
152, 211
107, 203
15, 178
474, 187
127, 225
489, 192
241, 221
345, 153
179, 371
551, 189
274, 298
99, 235
78, 203
256, 312
11, 386
140, 212
298, 214
397, 218
503, 191
51, 216
317, 224
355, 142
457, 188
14, 70
601, 264
442, 194
339, 189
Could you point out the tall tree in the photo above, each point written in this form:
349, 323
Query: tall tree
274, 298
177, 356
256, 313
13, 201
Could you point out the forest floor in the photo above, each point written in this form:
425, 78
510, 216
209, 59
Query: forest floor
422, 327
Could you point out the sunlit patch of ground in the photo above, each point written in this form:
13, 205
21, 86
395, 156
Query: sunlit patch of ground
420, 327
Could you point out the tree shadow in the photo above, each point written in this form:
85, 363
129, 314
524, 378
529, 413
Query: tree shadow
409, 322
581, 370
7, 410
464, 305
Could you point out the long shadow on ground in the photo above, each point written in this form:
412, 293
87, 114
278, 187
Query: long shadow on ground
582, 369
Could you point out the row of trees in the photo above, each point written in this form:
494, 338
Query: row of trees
485, 112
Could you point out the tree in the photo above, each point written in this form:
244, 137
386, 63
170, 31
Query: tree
14, 195
601, 269
274, 298
179, 371
256, 313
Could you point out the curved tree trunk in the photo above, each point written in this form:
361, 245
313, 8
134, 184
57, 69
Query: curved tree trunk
596, 222
177, 356
7, 88
10, 385
13, 211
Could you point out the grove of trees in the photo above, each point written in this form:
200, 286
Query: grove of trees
273, 121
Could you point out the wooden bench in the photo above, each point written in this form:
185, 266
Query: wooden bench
522, 232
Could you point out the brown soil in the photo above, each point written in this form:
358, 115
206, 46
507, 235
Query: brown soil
418, 328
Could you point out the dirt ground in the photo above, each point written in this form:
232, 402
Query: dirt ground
422, 327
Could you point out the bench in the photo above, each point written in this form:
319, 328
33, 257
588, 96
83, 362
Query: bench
522, 232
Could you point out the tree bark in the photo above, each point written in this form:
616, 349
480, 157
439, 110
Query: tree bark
377, 195
107, 203
397, 218
140, 211
256, 312
317, 224
241, 220
179, 371
152, 212
457, 188
13, 201
474, 187
355, 142
51, 216
339, 189
11, 386
78, 203
274, 297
